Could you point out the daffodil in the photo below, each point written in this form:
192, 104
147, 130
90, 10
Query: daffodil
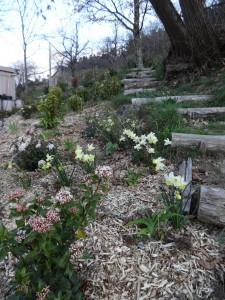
159, 163
90, 147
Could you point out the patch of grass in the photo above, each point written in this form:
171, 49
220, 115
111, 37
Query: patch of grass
159, 71
162, 119
120, 100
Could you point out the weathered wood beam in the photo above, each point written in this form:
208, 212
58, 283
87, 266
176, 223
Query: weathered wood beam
185, 170
205, 112
214, 143
212, 205
193, 98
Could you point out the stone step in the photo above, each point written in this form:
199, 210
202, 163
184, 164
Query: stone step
137, 91
141, 74
134, 80
143, 85
194, 98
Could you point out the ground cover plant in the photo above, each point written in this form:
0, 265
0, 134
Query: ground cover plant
84, 207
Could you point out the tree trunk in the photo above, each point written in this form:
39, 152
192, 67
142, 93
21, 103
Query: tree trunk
203, 41
174, 27
25, 68
137, 35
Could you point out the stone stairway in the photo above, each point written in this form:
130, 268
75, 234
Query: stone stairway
139, 81
211, 199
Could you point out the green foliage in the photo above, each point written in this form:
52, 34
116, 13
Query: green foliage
13, 127
132, 177
110, 148
68, 144
28, 110
51, 108
54, 164
160, 71
76, 103
154, 224
163, 119
119, 100
20, 176
84, 93
46, 241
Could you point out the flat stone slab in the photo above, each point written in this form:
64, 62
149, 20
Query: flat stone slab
194, 98
143, 85
133, 80
141, 74
137, 91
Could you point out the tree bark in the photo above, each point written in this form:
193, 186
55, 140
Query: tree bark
174, 27
202, 38
137, 35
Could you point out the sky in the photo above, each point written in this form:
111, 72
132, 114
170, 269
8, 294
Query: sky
38, 51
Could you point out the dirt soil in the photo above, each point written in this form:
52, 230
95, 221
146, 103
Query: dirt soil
187, 265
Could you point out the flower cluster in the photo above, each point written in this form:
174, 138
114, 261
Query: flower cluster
85, 157
21, 144
146, 143
107, 124
143, 141
104, 171
76, 249
43, 293
40, 224
176, 181
158, 162
17, 194
53, 215
21, 207
46, 164
63, 196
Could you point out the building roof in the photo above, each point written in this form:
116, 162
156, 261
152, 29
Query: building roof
8, 70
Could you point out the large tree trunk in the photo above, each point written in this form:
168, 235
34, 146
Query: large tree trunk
203, 41
137, 35
174, 27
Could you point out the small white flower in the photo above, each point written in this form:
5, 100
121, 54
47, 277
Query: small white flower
90, 147
159, 163
122, 138
38, 145
22, 147
167, 142
150, 150
41, 163
50, 146
138, 147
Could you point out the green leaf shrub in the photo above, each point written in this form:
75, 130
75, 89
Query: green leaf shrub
51, 108
76, 103
48, 239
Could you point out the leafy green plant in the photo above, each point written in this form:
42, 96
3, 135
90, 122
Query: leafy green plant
51, 108
20, 176
76, 103
68, 144
154, 224
172, 198
110, 148
47, 240
13, 127
133, 177
54, 164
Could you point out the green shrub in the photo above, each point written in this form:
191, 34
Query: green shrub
76, 103
84, 93
51, 108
